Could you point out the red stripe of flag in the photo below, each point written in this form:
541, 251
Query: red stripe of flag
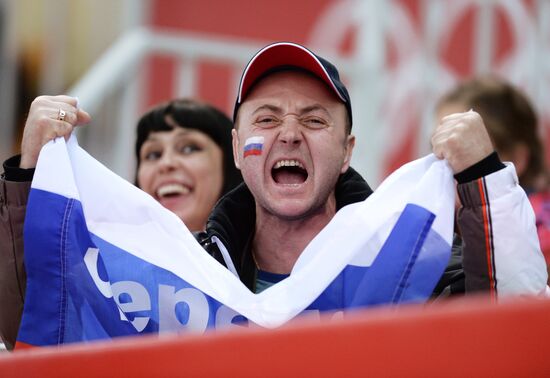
254, 151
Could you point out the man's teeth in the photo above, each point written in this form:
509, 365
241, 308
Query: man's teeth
171, 189
288, 163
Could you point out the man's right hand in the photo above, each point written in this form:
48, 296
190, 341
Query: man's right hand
43, 124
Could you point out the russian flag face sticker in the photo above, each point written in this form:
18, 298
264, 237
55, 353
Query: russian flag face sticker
253, 146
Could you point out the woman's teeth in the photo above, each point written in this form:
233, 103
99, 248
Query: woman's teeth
172, 189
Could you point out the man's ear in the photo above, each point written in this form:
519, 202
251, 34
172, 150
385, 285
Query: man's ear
236, 148
350, 144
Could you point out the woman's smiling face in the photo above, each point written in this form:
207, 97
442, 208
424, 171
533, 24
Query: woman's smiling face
183, 170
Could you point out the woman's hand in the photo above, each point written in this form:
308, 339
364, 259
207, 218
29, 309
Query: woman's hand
49, 117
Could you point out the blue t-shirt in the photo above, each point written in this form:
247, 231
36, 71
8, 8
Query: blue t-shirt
267, 279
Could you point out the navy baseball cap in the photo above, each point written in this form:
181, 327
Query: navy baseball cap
287, 55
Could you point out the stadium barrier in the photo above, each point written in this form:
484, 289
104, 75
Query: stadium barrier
464, 337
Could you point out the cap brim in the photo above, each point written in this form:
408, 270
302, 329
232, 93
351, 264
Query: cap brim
279, 55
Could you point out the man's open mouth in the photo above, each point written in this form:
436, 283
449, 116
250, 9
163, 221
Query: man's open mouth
289, 172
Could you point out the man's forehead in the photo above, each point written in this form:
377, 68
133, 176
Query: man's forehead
297, 87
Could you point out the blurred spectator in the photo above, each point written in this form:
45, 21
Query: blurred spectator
512, 124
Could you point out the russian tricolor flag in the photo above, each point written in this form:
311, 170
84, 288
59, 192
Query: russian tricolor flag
253, 146
104, 259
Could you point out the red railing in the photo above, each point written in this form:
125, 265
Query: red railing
467, 337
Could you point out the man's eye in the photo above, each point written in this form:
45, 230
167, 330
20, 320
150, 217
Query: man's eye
152, 155
314, 122
189, 149
267, 121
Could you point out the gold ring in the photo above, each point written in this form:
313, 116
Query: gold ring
61, 115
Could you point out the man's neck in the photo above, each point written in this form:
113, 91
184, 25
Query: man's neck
279, 242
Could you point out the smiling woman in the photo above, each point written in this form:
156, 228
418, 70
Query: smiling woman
183, 149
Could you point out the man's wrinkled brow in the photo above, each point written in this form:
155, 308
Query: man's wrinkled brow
272, 108
279, 110
313, 108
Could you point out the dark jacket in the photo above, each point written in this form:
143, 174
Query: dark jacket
13, 279
233, 222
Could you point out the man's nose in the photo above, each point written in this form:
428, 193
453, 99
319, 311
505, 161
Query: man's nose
291, 132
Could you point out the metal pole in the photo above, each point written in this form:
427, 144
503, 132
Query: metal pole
483, 54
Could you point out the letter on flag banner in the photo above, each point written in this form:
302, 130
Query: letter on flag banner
104, 259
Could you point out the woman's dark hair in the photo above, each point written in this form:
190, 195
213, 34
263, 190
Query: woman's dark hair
192, 114
509, 117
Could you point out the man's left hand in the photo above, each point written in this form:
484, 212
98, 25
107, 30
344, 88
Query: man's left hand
462, 140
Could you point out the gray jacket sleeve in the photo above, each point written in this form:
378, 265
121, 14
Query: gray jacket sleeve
13, 203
